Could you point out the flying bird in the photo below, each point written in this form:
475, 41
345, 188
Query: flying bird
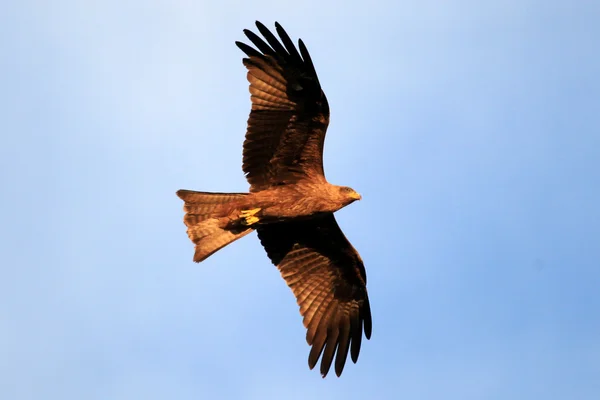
290, 203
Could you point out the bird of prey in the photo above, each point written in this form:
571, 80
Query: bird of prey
290, 204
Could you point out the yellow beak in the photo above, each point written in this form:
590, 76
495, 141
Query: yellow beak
355, 196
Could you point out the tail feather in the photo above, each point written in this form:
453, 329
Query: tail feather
204, 203
208, 227
210, 235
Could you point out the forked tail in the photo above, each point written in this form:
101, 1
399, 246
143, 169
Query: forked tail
208, 222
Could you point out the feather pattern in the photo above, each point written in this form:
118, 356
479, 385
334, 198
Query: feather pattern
289, 116
327, 276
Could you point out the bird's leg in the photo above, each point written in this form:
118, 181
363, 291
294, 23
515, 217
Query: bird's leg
249, 216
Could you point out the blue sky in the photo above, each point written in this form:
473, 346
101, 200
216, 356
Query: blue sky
472, 130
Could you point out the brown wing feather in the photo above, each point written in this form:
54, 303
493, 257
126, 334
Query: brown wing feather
289, 116
328, 279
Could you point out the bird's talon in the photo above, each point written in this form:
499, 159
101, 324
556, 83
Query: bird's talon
249, 216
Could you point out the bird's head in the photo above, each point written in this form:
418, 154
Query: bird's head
348, 194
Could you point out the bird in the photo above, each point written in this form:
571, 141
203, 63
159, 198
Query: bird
290, 204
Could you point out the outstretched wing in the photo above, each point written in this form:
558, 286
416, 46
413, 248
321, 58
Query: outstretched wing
290, 113
328, 279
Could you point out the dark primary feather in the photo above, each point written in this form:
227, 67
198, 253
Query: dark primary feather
328, 278
290, 113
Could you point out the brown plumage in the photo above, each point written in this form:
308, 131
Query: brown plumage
290, 203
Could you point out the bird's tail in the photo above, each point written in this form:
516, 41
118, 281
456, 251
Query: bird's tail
208, 223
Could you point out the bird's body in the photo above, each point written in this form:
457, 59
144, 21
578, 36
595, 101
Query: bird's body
284, 203
290, 203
